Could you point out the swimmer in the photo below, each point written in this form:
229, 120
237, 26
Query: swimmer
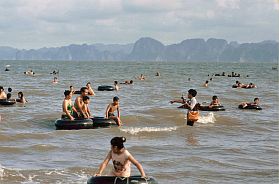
113, 107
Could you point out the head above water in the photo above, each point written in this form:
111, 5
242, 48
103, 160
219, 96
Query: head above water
83, 90
118, 142
192, 92
214, 97
256, 99
20, 94
115, 99
85, 98
1, 88
67, 93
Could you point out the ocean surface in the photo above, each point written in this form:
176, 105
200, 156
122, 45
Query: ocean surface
233, 146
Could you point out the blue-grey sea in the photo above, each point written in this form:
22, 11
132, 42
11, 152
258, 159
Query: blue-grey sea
233, 146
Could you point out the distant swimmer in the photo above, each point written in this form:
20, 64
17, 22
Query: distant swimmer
30, 73
158, 74
205, 84
113, 107
141, 77
3, 95
55, 80
90, 90
116, 86
21, 98
255, 103
121, 159
72, 90
127, 82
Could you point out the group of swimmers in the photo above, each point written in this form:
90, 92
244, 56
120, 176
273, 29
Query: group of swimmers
241, 85
80, 109
7, 97
193, 107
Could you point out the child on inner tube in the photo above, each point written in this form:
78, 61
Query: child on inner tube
255, 103
215, 102
113, 107
121, 160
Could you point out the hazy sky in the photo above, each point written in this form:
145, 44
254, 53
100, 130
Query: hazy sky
45, 23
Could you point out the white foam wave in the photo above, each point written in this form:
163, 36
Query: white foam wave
209, 118
136, 130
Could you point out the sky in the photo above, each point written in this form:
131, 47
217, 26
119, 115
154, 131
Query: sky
27, 24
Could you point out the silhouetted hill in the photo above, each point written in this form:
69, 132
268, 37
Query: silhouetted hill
149, 49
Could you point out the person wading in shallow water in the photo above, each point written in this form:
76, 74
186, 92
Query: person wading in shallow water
121, 159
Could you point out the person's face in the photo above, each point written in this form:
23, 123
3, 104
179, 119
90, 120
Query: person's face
87, 101
257, 101
189, 95
116, 102
85, 92
69, 96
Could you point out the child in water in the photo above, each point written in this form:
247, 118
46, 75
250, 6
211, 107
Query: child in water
255, 103
113, 107
21, 98
85, 107
121, 160
215, 102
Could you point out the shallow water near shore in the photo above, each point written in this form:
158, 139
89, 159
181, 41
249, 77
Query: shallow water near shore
232, 146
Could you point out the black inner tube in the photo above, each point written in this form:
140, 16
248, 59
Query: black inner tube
121, 180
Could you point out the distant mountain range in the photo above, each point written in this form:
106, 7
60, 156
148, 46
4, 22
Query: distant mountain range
149, 49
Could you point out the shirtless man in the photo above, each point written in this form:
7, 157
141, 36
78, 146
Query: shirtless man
79, 103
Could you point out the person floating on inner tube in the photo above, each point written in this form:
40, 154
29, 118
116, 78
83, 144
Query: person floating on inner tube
79, 103
113, 107
55, 80
190, 104
3, 95
85, 107
121, 159
255, 103
215, 102
67, 107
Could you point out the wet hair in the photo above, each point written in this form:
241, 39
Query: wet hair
115, 82
206, 81
83, 89
1, 88
131, 81
85, 98
71, 86
192, 92
9, 95
10, 89
115, 99
88, 83
256, 99
214, 97
237, 82
67, 92
118, 142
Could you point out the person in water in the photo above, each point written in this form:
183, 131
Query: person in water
72, 90
55, 80
205, 84
121, 159
158, 74
21, 98
127, 82
116, 86
141, 77
215, 102
113, 107
79, 103
85, 107
255, 103
67, 107
3, 95
90, 90
191, 104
